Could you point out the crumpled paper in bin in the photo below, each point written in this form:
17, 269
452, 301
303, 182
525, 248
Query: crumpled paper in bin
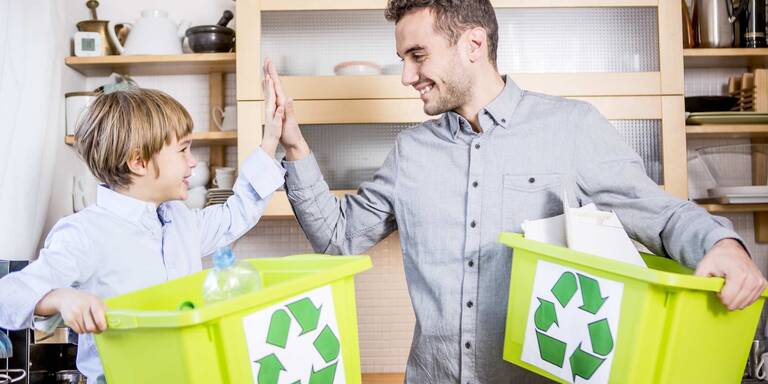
587, 230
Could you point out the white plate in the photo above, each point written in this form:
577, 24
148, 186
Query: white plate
727, 118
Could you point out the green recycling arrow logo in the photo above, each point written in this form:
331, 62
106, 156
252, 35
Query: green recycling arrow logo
587, 358
303, 317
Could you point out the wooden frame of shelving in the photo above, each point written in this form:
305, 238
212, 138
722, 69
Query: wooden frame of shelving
198, 138
726, 130
382, 99
758, 133
725, 57
141, 65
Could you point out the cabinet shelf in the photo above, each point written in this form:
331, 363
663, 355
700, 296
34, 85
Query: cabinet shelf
186, 64
279, 207
390, 86
725, 57
735, 208
727, 130
198, 138
324, 5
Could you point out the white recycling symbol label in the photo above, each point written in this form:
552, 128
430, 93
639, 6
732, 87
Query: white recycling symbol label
571, 324
296, 341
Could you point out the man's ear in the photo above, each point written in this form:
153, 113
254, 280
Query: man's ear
477, 42
137, 165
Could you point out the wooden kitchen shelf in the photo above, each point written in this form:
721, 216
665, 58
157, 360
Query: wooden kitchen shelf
735, 208
324, 5
198, 138
390, 86
725, 57
279, 207
727, 130
393, 111
186, 64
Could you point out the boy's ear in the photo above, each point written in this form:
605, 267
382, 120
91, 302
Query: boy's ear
137, 165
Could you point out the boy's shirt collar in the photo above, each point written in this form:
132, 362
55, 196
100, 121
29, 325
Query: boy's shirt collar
127, 207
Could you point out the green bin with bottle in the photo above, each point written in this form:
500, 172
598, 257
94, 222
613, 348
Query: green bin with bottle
300, 327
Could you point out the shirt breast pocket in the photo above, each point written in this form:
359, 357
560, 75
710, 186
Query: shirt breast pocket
530, 197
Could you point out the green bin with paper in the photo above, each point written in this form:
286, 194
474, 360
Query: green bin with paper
578, 317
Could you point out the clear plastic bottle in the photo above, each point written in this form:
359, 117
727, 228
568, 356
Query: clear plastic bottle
229, 278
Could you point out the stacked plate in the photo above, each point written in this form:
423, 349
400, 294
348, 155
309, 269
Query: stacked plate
218, 196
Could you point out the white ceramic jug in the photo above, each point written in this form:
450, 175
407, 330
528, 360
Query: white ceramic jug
153, 34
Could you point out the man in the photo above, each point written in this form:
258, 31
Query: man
498, 155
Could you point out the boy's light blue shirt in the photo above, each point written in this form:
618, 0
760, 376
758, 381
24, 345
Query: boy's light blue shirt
121, 244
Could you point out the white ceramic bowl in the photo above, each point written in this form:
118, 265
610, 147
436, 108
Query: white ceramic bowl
392, 69
200, 175
196, 197
357, 68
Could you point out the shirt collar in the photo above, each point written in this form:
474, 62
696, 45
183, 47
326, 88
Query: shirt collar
499, 109
128, 207
503, 106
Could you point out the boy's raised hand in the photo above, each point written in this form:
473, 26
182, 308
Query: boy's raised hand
81, 311
273, 114
296, 147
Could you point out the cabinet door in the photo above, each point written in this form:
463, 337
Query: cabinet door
248, 48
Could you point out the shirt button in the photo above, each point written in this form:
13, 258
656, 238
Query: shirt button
532, 180
473, 224
503, 120
475, 184
477, 146
471, 263
470, 304
467, 345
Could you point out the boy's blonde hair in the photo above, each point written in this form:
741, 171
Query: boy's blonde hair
120, 125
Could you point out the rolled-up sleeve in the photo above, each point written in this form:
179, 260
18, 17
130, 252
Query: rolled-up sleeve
347, 225
610, 174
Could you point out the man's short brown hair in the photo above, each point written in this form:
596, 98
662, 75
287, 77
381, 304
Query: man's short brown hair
453, 17
120, 125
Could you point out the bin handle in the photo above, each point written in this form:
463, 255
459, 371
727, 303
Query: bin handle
121, 320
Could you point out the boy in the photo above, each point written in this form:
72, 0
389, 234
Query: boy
138, 234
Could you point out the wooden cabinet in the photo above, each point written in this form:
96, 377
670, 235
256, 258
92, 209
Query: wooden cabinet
654, 95
747, 58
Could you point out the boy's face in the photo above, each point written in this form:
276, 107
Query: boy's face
175, 162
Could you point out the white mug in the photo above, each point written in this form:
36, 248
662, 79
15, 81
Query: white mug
224, 181
225, 177
226, 119
76, 105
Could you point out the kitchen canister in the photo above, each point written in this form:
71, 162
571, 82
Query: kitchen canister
76, 103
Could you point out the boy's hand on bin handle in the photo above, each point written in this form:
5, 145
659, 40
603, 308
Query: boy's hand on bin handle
81, 311
744, 283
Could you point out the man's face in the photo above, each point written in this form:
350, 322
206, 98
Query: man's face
175, 163
431, 65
